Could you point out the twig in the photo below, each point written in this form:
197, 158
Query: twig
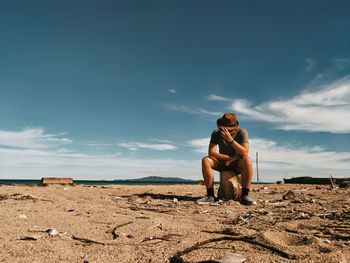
115, 235
338, 226
164, 238
89, 241
177, 257
334, 236
162, 211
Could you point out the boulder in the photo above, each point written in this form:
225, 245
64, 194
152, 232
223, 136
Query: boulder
230, 186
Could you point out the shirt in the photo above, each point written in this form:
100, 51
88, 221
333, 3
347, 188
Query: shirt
241, 136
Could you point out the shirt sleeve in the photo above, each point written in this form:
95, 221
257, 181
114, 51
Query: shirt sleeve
244, 136
214, 139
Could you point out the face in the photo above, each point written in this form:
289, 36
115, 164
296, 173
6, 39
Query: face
231, 130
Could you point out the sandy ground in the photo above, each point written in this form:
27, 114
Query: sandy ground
165, 224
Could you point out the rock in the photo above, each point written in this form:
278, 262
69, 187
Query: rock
230, 186
200, 182
290, 195
232, 258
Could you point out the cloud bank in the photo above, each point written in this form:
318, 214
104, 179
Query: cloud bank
326, 109
134, 146
33, 138
275, 158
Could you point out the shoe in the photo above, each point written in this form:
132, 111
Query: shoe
206, 199
247, 200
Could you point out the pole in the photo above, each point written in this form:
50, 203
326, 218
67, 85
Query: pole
257, 167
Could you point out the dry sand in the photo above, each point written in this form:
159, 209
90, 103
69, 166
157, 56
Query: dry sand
155, 223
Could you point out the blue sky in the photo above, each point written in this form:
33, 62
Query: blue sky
127, 89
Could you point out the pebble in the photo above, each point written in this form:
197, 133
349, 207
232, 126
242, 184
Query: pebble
232, 258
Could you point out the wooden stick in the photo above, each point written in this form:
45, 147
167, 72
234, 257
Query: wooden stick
89, 241
165, 237
177, 257
112, 230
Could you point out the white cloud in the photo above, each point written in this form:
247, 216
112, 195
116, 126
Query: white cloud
30, 138
325, 109
200, 145
34, 164
277, 159
341, 63
172, 91
218, 98
310, 64
133, 146
189, 110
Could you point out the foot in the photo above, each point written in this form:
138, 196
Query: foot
247, 200
206, 199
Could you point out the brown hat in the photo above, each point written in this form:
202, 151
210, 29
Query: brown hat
228, 120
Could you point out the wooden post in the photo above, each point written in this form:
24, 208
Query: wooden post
332, 181
257, 167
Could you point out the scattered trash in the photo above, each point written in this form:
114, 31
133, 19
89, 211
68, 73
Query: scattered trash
23, 216
232, 258
327, 241
175, 200
290, 195
242, 219
303, 215
52, 232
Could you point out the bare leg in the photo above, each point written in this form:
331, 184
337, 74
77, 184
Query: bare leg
208, 163
246, 167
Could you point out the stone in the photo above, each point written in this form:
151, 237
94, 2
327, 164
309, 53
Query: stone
232, 258
230, 186
289, 196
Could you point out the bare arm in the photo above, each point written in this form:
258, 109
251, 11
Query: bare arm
212, 152
241, 149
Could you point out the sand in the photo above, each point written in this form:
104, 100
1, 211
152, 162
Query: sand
155, 223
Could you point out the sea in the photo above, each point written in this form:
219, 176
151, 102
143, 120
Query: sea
98, 182
109, 182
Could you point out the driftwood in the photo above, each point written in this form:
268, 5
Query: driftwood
115, 235
332, 181
166, 237
228, 236
155, 210
88, 241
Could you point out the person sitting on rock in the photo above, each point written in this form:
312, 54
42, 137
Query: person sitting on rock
232, 156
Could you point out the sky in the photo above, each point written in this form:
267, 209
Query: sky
107, 90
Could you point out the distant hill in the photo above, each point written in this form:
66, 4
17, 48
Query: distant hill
158, 179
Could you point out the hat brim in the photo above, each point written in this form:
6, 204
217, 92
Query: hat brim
219, 123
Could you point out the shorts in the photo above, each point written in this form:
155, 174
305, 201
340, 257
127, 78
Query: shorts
233, 166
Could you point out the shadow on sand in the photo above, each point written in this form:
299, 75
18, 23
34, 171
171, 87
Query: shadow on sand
167, 197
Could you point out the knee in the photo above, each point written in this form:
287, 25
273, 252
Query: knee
245, 159
206, 161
